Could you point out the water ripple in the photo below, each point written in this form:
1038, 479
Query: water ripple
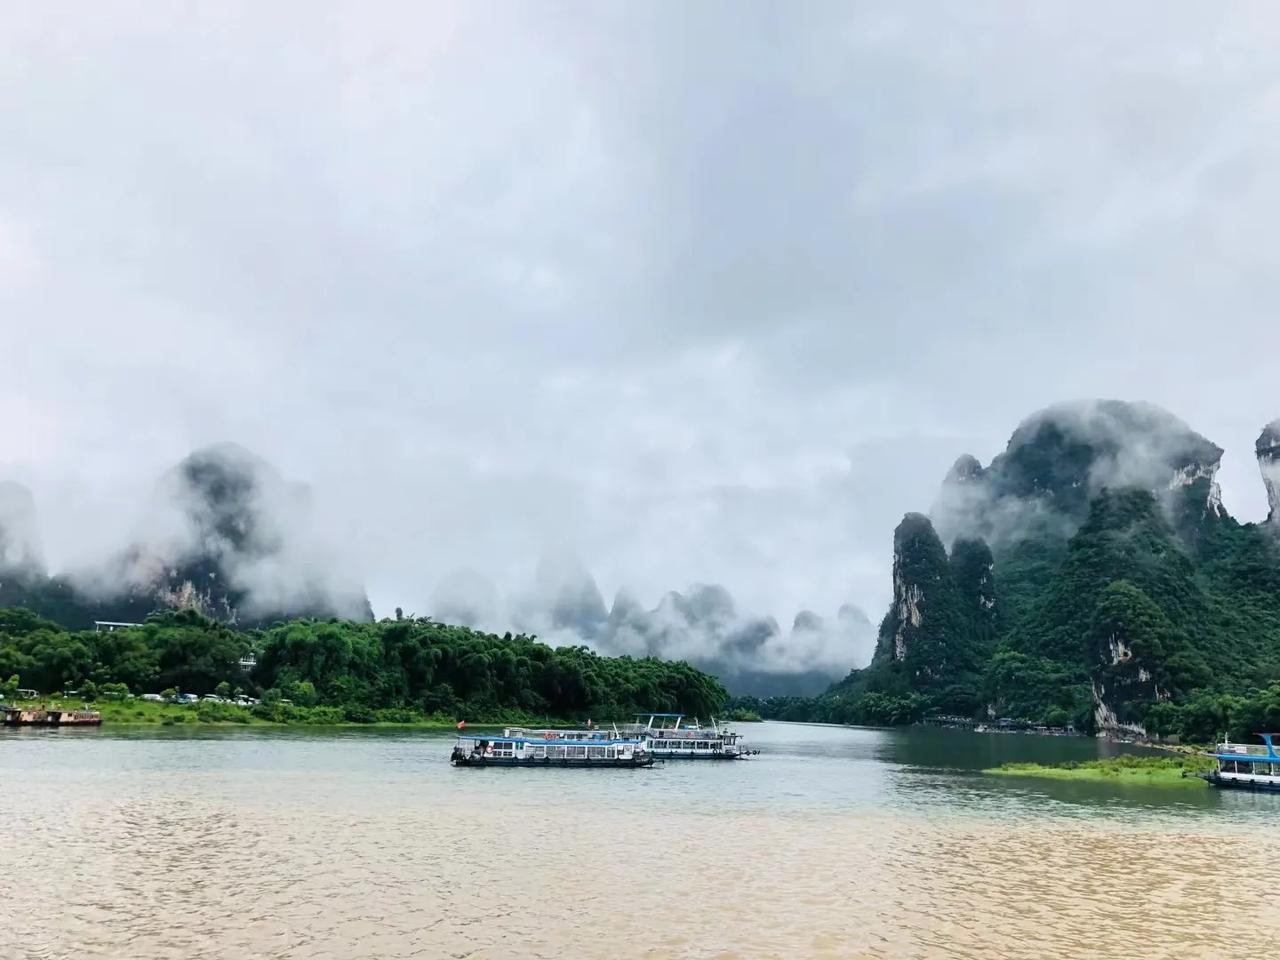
307, 848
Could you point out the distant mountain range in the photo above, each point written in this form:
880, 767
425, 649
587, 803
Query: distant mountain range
1090, 574
225, 535
703, 625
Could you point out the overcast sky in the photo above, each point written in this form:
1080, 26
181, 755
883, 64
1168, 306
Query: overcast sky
694, 292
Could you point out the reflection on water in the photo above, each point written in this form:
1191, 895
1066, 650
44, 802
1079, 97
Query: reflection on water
834, 843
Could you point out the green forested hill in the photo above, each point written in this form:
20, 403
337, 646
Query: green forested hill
1094, 577
408, 667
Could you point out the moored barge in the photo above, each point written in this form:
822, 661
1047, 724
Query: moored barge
49, 717
1246, 767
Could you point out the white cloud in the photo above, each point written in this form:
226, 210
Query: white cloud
700, 294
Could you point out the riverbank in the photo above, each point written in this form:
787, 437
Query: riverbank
1125, 770
137, 712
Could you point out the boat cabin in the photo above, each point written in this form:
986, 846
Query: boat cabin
674, 739
518, 746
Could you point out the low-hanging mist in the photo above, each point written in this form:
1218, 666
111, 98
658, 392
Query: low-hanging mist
701, 624
221, 533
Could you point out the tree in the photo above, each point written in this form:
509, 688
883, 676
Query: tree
223, 689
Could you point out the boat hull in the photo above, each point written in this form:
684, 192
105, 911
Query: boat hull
1233, 783
704, 755
50, 718
551, 762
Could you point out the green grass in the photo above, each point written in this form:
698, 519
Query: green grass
1126, 770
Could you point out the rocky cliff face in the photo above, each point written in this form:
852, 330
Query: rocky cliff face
973, 571
1115, 584
1060, 458
229, 537
1268, 450
224, 535
922, 616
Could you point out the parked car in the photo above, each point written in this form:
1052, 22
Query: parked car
188, 698
212, 698
152, 698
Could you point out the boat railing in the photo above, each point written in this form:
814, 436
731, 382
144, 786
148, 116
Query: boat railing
542, 733
1243, 749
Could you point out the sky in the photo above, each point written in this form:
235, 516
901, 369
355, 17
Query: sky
688, 292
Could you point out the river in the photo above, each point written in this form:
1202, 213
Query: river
834, 842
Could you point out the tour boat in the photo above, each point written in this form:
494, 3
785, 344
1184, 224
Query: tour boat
1246, 767
521, 747
673, 739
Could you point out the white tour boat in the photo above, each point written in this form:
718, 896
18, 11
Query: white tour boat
1245, 766
523, 747
671, 738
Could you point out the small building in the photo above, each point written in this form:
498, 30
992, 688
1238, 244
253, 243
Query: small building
99, 626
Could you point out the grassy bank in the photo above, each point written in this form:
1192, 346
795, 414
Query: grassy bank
1124, 770
144, 712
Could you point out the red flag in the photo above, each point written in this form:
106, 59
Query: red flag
461, 724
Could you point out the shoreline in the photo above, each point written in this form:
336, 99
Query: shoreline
136, 714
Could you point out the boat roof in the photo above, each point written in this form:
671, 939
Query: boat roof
651, 713
1269, 757
558, 741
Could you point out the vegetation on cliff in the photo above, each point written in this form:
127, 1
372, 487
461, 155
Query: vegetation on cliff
1094, 578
